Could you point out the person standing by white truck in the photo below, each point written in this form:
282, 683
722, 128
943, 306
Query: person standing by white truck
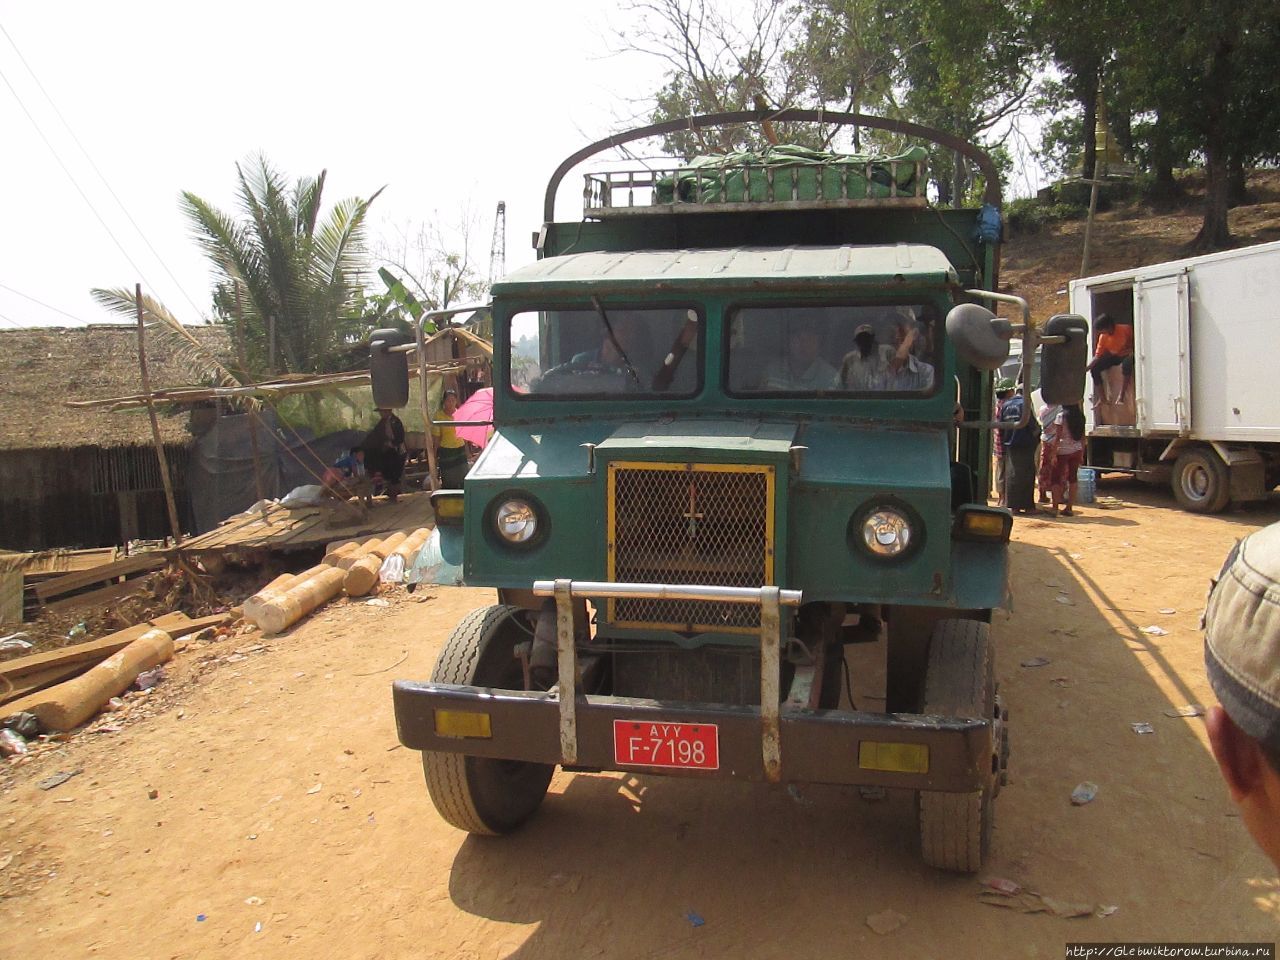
1204, 412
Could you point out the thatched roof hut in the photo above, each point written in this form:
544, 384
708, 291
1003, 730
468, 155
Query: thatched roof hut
77, 477
43, 367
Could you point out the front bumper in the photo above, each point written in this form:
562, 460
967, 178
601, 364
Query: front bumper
776, 741
816, 746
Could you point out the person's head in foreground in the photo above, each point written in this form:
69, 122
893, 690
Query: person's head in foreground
1242, 657
450, 401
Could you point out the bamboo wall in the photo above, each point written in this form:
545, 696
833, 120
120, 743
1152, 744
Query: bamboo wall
87, 496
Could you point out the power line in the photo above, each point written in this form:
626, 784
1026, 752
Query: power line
47, 306
74, 183
101, 177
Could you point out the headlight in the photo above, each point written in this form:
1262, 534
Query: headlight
516, 521
886, 532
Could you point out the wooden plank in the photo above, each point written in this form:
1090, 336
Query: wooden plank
180, 630
103, 595
177, 624
10, 596
90, 652
106, 571
32, 682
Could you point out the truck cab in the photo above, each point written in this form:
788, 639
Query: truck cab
733, 437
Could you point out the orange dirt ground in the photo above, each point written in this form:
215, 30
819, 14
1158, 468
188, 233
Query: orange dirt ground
284, 800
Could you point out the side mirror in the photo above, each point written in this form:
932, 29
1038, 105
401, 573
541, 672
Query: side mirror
388, 372
981, 338
1062, 365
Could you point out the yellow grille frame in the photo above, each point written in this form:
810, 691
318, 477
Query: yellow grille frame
768, 471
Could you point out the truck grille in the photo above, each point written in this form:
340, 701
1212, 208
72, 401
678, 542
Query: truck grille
699, 523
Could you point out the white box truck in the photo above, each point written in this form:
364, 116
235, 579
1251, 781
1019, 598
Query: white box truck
1201, 408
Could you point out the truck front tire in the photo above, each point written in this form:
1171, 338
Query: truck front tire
955, 828
1201, 481
480, 794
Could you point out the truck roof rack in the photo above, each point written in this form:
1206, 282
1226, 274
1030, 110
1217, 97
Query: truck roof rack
745, 185
974, 153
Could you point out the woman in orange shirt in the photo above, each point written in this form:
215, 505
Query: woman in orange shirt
1115, 347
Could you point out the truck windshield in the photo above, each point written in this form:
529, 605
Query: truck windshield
605, 352
844, 350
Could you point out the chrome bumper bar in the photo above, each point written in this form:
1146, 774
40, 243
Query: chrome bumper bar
770, 600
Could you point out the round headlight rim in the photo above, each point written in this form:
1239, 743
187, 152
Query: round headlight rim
914, 524
542, 520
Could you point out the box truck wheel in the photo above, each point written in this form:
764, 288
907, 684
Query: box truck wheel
1201, 481
955, 828
480, 794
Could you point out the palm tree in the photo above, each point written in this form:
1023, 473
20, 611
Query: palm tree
288, 283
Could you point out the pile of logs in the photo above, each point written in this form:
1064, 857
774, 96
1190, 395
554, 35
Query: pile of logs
351, 568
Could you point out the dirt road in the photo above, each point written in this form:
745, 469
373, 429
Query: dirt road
283, 801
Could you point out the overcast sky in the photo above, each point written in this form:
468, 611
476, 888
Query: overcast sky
452, 106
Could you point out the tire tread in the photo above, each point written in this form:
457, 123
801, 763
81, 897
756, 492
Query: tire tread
446, 773
954, 826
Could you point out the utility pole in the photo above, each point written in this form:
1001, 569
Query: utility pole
1088, 224
155, 424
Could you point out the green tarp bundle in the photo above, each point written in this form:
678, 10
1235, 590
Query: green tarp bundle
787, 172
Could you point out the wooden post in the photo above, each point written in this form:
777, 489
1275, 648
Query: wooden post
430, 440
1088, 226
253, 413
155, 424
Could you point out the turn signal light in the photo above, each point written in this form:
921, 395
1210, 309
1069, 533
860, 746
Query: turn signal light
992, 524
463, 724
893, 757
447, 505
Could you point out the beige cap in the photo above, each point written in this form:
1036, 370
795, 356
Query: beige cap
1242, 636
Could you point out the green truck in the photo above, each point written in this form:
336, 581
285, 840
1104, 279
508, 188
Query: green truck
741, 421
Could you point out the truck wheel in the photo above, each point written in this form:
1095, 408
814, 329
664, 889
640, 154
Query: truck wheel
955, 828
1201, 482
480, 794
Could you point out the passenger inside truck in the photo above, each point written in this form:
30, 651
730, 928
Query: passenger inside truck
836, 350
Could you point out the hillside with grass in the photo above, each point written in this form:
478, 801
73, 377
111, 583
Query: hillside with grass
1046, 237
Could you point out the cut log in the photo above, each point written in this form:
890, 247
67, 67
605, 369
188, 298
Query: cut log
275, 588
331, 557
384, 549
363, 550
287, 609
412, 544
362, 575
69, 704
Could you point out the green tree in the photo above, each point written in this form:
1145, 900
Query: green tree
287, 281
1202, 66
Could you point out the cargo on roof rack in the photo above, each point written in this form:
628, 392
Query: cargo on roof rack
784, 177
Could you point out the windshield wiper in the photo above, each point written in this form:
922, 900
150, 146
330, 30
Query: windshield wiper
595, 302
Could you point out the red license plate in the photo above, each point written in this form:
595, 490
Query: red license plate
688, 746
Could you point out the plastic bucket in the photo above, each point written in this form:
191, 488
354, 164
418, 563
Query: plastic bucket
1086, 485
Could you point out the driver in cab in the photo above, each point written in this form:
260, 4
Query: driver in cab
802, 367
609, 367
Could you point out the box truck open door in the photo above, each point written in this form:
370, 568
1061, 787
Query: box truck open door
1163, 334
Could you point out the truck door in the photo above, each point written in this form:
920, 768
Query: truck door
1162, 337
